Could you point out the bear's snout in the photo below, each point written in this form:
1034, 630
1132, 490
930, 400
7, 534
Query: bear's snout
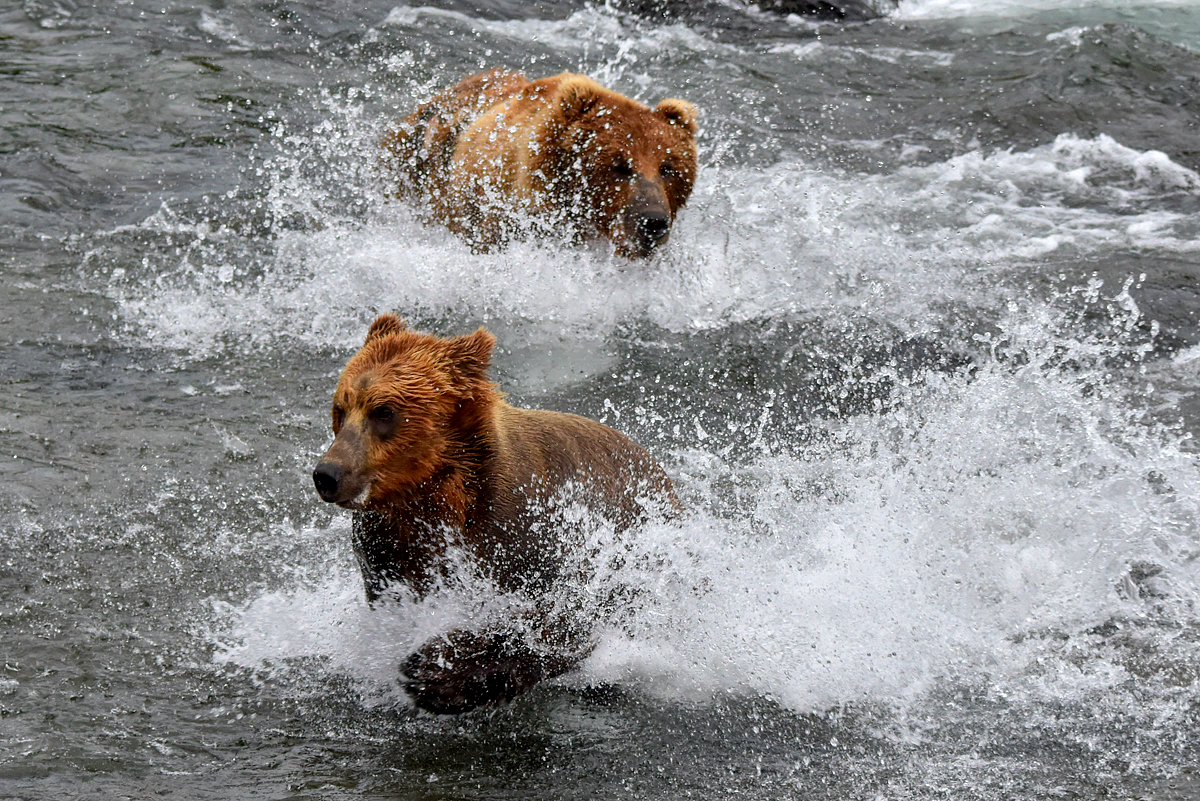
648, 220
653, 229
337, 484
328, 479
340, 476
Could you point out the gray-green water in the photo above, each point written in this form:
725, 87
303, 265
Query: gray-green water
921, 357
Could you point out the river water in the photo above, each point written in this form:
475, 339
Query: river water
921, 358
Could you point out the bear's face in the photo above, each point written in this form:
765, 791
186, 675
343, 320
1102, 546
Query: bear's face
628, 169
397, 414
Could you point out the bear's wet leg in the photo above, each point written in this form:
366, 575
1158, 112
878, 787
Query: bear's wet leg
466, 669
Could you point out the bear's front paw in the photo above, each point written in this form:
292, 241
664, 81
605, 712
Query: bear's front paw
465, 669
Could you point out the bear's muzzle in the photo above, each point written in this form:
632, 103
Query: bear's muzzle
338, 477
328, 478
647, 222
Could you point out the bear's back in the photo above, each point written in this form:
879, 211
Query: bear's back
547, 463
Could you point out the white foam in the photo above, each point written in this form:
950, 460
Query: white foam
944, 9
598, 40
321, 625
215, 26
752, 243
954, 538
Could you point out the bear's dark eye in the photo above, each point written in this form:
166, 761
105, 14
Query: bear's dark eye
339, 417
623, 169
668, 170
382, 420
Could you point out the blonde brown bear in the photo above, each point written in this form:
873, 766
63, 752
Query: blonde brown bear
436, 465
561, 156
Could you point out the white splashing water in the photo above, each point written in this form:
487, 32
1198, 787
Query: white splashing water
1170, 20
959, 537
999, 510
926, 9
751, 244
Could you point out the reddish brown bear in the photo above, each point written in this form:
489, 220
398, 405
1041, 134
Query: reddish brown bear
436, 464
564, 156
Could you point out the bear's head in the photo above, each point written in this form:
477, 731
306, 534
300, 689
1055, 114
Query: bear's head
626, 169
404, 413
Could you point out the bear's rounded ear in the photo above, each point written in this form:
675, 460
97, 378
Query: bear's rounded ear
470, 355
679, 112
385, 324
577, 96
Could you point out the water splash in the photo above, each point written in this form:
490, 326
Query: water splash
1003, 528
751, 244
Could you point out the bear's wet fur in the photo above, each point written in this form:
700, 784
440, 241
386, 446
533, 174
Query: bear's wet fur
436, 465
562, 156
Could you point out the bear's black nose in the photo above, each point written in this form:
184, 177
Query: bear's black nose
653, 227
327, 477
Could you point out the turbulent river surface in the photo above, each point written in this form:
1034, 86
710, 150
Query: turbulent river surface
921, 357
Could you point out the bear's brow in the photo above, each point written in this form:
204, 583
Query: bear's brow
376, 390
